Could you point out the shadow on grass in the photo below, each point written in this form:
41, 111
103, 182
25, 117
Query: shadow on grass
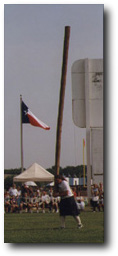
57, 245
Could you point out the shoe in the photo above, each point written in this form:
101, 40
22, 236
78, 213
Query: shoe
62, 227
80, 226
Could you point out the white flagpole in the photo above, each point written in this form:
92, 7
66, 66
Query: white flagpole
21, 133
83, 165
88, 130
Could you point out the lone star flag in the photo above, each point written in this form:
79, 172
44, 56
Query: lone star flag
29, 117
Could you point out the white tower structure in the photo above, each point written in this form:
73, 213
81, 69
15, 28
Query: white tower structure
87, 112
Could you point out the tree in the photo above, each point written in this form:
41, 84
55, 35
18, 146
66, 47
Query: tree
8, 182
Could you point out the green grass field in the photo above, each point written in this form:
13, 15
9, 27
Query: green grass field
44, 228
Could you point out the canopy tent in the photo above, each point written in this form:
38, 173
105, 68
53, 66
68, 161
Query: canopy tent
34, 173
50, 184
30, 183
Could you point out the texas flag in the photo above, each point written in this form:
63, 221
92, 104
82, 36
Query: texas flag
29, 117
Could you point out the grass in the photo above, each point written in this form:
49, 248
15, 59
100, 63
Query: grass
44, 228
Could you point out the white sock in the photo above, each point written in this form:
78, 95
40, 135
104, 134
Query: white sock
62, 221
78, 220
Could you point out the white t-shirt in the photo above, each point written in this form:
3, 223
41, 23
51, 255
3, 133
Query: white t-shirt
95, 198
19, 192
64, 186
45, 198
13, 191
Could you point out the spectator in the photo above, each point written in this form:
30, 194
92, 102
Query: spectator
25, 201
80, 202
74, 192
30, 192
19, 191
101, 201
45, 201
14, 204
10, 191
24, 190
94, 189
100, 188
95, 201
13, 191
55, 204
7, 203
19, 203
38, 192
52, 204
34, 203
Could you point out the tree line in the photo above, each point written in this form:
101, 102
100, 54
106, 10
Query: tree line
68, 171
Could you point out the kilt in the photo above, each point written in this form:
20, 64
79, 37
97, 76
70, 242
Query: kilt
68, 206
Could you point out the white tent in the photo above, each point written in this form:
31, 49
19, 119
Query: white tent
30, 183
51, 184
34, 173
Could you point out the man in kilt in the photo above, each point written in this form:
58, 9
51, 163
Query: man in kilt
67, 204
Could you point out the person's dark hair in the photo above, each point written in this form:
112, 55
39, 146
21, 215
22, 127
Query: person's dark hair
60, 177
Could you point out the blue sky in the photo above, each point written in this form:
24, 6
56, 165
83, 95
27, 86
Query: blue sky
33, 58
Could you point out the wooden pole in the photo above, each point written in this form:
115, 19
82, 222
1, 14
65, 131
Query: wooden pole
62, 95
21, 133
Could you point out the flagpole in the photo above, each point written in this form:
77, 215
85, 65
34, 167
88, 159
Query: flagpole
83, 165
21, 133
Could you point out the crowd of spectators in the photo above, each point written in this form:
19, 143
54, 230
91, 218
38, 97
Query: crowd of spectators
27, 199
97, 200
